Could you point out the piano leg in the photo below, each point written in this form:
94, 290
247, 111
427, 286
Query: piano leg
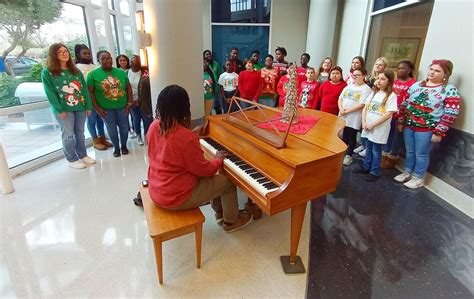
293, 264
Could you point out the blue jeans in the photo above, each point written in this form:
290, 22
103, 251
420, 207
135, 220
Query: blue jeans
267, 102
218, 103
373, 156
418, 146
147, 120
114, 118
95, 121
137, 118
72, 135
394, 141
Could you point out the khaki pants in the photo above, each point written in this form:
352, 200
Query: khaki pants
218, 190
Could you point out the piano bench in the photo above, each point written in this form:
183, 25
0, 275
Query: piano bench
164, 225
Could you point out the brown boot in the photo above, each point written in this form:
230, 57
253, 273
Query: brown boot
254, 209
98, 145
105, 141
388, 163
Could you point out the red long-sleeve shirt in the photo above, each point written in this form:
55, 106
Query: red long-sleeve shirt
175, 164
328, 95
249, 83
307, 94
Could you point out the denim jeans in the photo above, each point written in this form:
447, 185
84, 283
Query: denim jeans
147, 120
373, 156
137, 120
218, 103
418, 146
395, 140
267, 102
95, 121
114, 118
72, 135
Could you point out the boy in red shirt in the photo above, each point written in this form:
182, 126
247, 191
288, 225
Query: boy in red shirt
308, 90
249, 82
179, 176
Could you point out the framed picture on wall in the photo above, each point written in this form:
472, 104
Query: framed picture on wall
398, 49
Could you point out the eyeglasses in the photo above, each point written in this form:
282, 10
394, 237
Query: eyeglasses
62, 52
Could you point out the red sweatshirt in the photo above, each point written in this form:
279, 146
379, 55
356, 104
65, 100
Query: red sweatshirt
328, 95
175, 164
249, 83
307, 94
282, 89
400, 88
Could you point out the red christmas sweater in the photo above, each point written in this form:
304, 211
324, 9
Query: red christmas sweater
328, 95
307, 94
282, 89
301, 74
175, 164
249, 84
268, 82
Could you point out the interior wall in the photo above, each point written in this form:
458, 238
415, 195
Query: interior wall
352, 32
289, 27
206, 25
450, 35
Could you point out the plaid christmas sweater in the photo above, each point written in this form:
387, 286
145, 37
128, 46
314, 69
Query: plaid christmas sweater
432, 108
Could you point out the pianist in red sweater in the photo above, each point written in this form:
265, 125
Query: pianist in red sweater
179, 176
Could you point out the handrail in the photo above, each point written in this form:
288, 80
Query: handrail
24, 108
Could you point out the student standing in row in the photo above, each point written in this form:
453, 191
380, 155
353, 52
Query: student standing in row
380, 65
376, 116
69, 98
280, 63
228, 82
307, 92
356, 64
237, 65
405, 79
208, 88
351, 102
135, 76
111, 95
431, 108
249, 82
216, 71
268, 82
122, 62
330, 90
95, 124
324, 70
255, 57
301, 70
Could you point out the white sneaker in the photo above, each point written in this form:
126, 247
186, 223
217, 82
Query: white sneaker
133, 135
88, 160
359, 149
77, 164
140, 141
414, 183
402, 177
347, 160
363, 153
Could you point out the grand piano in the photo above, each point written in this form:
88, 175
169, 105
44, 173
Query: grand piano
277, 179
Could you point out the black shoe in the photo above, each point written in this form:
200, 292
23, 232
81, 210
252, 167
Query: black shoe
361, 170
116, 153
138, 202
125, 150
371, 177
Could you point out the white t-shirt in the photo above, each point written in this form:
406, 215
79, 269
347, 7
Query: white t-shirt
134, 79
229, 81
86, 68
374, 111
353, 95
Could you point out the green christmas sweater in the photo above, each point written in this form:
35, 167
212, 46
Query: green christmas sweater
66, 92
432, 108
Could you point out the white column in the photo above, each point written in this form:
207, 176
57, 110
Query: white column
91, 30
5, 177
132, 11
321, 29
175, 56
119, 24
108, 28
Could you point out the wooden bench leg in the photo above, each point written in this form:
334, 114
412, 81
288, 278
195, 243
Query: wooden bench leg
157, 244
198, 243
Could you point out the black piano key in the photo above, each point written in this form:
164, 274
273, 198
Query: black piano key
245, 167
270, 185
257, 175
263, 180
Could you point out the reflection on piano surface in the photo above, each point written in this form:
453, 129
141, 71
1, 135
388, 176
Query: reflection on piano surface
277, 179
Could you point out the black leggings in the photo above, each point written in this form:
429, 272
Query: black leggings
349, 136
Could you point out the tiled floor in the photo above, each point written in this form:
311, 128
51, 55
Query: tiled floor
76, 233
382, 240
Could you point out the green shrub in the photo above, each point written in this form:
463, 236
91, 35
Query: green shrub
8, 86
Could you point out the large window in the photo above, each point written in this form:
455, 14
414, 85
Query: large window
27, 133
249, 29
399, 34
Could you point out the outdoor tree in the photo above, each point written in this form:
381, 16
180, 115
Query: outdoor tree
21, 19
